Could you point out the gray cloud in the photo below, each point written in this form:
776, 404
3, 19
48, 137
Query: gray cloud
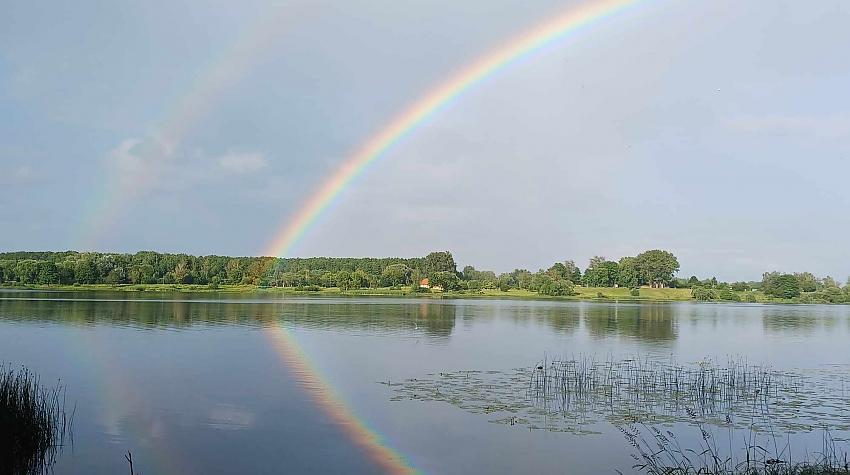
17, 175
243, 163
610, 142
826, 127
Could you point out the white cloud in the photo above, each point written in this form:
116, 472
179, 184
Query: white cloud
243, 163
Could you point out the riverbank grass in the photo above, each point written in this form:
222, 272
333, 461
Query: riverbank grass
645, 294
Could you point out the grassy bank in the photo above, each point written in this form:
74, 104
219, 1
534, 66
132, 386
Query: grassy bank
581, 293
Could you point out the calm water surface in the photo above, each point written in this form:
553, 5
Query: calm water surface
200, 384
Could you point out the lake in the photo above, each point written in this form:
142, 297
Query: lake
209, 384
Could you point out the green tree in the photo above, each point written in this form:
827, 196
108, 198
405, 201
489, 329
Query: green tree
359, 279
808, 282
628, 274
558, 271
784, 286
85, 271
555, 287
740, 286
27, 271
601, 273
343, 280
233, 271
702, 293
116, 275
291, 279
47, 273
396, 274
487, 278
657, 267
439, 262
445, 279
573, 272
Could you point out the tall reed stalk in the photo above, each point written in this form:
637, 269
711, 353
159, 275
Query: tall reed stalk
33, 422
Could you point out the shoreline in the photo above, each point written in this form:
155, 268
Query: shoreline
590, 294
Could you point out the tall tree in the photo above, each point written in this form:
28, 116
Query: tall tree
573, 272
657, 267
439, 262
601, 273
787, 286
395, 274
558, 271
629, 275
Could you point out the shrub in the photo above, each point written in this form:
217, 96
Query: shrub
635, 292
702, 293
784, 286
556, 287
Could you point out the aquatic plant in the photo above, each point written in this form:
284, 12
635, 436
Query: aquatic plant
33, 422
574, 395
709, 387
659, 452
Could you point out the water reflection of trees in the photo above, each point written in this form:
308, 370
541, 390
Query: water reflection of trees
645, 321
648, 322
562, 319
437, 318
803, 320
430, 317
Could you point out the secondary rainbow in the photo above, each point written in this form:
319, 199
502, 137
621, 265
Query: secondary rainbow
130, 181
571, 21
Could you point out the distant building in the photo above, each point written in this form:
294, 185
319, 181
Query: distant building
424, 284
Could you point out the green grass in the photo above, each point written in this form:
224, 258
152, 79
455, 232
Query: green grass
581, 293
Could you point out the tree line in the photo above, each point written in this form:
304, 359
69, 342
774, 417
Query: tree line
653, 268
68, 268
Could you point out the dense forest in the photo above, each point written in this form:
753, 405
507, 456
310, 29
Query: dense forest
654, 268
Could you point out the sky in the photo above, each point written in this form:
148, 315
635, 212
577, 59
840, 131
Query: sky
717, 130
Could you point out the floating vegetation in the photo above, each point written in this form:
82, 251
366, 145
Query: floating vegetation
572, 395
33, 422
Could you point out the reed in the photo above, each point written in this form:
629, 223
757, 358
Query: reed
658, 452
33, 422
666, 387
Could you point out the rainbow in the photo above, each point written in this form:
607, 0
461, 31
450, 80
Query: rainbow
430, 103
133, 178
231, 69
323, 395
